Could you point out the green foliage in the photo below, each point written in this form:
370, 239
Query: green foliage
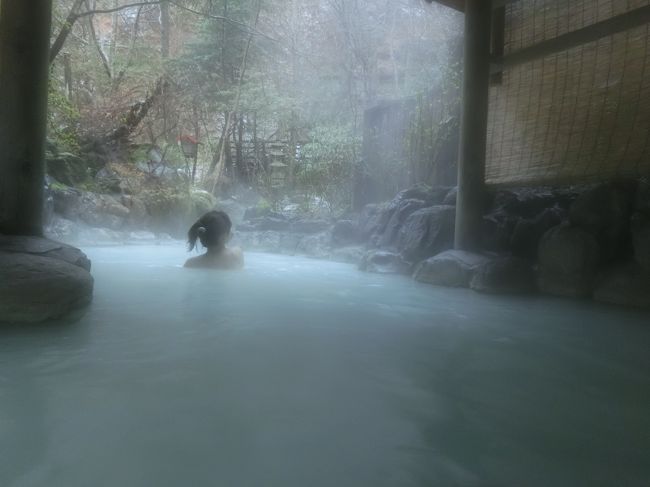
67, 168
263, 205
174, 156
310, 64
431, 138
325, 168
62, 120
166, 200
139, 153
202, 201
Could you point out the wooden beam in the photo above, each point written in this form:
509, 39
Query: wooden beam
498, 40
455, 4
564, 42
460, 4
473, 127
24, 59
502, 3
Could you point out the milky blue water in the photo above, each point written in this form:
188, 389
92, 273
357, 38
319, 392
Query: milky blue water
304, 373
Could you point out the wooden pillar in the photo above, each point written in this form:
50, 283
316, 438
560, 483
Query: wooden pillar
24, 53
473, 134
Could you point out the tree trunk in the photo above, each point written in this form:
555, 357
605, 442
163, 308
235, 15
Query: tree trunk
164, 30
224, 37
256, 148
197, 136
218, 153
242, 72
67, 76
24, 60
66, 29
228, 158
100, 50
138, 112
240, 149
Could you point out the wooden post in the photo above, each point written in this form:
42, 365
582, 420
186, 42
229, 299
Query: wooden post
473, 134
24, 59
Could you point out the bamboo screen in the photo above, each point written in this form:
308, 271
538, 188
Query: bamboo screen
577, 116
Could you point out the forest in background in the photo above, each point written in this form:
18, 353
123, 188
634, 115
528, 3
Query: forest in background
273, 92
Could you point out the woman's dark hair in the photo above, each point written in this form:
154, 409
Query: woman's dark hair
209, 229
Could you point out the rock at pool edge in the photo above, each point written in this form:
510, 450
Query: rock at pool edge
35, 288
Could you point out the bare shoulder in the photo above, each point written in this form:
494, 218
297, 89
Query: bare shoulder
194, 262
237, 257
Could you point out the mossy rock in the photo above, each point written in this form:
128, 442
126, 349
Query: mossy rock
68, 169
173, 210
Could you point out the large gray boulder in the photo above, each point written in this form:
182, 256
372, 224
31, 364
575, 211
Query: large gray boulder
345, 233
497, 230
382, 262
273, 223
427, 232
528, 232
626, 285
138, 216
314, 245
109, 180
504, 275
309, 226
41, 279
568, 262
45, 248
604, 211
68, 168
431, 195
529, 202
96, 210
66, 200
404, 209
641, 239
451, 197
62, 229
101, 210
350, 255
452, 268
374, 218
379, 224
518, 217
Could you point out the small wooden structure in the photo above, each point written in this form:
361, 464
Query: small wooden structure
278, 178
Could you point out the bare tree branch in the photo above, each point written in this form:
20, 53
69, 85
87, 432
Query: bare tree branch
138, 111
57, 45
115, 9
242, 72
129, 59
74, 15
100, 51
243, 26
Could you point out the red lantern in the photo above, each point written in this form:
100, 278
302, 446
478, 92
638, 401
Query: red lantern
189, 146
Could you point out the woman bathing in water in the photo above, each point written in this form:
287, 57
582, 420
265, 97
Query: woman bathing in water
213, 230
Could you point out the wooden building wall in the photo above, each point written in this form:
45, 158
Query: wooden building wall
576, 116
